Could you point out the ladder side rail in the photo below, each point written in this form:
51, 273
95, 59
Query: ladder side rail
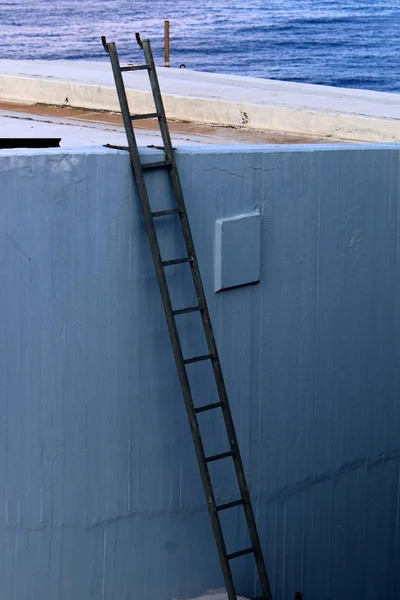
221, 387
173, 332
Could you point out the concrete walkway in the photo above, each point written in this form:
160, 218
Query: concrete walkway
77, 127
210, 98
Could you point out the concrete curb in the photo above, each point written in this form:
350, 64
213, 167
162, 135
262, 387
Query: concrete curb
262, 116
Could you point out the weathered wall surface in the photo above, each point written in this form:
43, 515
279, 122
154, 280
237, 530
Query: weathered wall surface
99, 491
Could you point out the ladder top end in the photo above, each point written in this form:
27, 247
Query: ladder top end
139, 39
104, 42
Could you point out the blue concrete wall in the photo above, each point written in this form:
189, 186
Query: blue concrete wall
99, 491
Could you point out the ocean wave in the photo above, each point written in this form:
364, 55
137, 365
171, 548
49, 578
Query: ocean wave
316, 41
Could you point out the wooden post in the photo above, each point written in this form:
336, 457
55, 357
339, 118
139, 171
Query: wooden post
166, 43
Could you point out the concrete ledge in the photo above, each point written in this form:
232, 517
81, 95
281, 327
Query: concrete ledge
211, 99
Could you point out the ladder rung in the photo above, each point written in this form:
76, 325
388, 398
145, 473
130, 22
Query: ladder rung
135, 68
240, 553
188, 361
219, 456
164, 213
176, 261
183, 311
200, 409
230, 504
144, 116
155, 165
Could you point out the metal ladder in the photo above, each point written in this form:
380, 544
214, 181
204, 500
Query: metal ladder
181, 362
